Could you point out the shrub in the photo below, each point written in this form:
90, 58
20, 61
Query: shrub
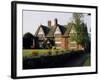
35, 53
57, 52
49, 53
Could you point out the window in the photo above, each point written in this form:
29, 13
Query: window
73, 45
58, 45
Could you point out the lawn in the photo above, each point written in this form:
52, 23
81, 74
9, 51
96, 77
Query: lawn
32, 53
87, 61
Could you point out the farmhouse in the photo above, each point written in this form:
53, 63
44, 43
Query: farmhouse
57, 35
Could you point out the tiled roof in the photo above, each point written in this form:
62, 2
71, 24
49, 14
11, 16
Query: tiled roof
49, 31
53, 28
44, 28
68, 28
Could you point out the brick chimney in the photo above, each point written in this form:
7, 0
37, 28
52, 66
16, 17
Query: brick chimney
55, 22
49, 23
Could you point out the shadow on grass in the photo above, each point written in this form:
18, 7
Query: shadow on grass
72, 59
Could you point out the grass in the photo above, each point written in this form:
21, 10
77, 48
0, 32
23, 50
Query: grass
29, 53
87, 61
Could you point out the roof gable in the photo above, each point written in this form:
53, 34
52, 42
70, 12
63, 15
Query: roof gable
40, 31
57, 31
51, 32
62, 28
69, 29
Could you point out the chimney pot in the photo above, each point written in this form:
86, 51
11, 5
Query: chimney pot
55, 22
49, 23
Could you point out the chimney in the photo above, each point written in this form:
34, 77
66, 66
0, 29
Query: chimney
55, 22
49, 23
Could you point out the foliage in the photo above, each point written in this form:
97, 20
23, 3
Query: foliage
81, 36
30, 41
27, 40
87, 61
30, 52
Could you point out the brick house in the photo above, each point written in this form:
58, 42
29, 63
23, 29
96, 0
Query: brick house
57, 35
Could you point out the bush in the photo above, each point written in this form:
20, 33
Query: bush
57, 52
35, 53
49, 53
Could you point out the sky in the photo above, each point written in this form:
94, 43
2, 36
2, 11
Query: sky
32, 19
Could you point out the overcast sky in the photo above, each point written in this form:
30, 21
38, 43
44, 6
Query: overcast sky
32, 19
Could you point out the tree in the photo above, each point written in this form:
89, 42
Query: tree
81, 36
30, 41
27, 40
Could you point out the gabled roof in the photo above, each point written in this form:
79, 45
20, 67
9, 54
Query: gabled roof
68, 29
50, 30
53, 29
44, 28
62, 28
